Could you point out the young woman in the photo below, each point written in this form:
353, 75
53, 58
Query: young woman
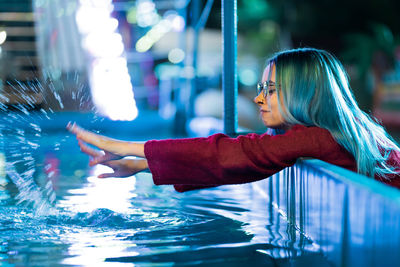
305, 95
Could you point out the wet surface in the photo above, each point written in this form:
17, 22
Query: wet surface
55, 212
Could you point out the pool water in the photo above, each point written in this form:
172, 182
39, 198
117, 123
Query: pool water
55, 212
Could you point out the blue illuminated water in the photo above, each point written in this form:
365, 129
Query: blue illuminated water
55, 212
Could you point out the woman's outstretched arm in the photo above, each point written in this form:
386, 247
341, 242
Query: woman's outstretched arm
124, 167
113, 149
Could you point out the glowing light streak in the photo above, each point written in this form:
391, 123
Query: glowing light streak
110, 82
154, 35
3, 37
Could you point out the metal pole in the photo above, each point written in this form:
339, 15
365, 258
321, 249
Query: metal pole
196, 5
229, 72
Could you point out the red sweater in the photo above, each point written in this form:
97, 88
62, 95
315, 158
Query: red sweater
218, 159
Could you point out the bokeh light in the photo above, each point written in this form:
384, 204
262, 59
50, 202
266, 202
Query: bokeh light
176, 55
146, 14
177, 21
248, 76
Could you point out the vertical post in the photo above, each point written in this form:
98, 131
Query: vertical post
229, 72
196, 6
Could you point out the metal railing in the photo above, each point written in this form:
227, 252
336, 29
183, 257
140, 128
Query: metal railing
352, 219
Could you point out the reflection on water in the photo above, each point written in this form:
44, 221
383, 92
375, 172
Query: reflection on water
156, 225
352, 219
123, 221
112, 194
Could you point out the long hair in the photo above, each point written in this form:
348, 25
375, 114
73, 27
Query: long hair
315, 91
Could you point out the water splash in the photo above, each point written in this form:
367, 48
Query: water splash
42, 199
22, 135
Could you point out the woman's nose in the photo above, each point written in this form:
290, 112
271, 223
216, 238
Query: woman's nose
259, 99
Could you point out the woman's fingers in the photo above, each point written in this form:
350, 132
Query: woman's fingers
88, 150
106, 175
87, 136
70, 125
115, 147
97, 156
93, 162
74, 128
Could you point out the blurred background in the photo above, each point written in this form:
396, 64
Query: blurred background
161, 60
151, 69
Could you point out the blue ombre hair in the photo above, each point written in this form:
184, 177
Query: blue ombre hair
315, 91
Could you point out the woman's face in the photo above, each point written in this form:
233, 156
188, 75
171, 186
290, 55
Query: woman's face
269, 110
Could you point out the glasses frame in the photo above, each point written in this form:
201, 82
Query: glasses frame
270, 86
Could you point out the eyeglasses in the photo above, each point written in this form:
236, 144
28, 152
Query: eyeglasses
268, 88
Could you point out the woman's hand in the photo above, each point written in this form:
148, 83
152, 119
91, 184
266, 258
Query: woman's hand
120, 167
97, 156
113, 149
124, 167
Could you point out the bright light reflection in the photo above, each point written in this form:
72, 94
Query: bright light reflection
110, 85
177, 21
3, 181
89, 248
146, 14
87, 18
112, 73
98, 47
112, 193
2, 165
3, 37
101, 4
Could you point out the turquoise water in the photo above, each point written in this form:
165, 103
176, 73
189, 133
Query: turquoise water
55, 212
